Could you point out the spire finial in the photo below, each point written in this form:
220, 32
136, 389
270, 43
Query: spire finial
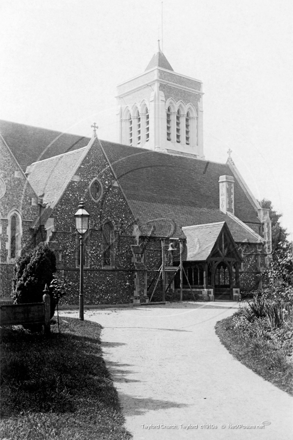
94, 126
159, 45
229, 153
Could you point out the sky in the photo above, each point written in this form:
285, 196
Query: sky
61, 61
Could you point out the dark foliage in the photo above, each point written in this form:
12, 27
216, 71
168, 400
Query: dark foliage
279, 234
31, 273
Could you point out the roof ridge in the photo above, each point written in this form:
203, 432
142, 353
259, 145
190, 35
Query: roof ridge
58, 155
40, 128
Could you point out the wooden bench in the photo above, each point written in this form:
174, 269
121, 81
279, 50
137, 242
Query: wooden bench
25, 314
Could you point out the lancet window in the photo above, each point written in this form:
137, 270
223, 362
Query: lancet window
14, 228
108, 244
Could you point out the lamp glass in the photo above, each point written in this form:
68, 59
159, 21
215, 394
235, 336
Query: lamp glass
82, 220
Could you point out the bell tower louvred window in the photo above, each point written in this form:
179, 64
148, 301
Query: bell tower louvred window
138, 128
147, 125
187, 128
169, 124
130, 130
178, 128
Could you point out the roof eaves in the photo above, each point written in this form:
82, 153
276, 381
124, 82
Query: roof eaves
246, 227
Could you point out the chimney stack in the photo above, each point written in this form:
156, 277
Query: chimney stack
226, 187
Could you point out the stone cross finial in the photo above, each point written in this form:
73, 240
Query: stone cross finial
229, 153
94, 126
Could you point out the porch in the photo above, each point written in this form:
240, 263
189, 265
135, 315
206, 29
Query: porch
210, 263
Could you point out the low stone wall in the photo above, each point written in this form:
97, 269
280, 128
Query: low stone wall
100, 286
196, 294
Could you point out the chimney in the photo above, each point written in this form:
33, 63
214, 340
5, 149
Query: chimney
226, 187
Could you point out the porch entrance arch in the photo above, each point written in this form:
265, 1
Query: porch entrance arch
223, 279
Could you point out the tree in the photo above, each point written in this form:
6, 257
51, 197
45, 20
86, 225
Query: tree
279, 234
31, 273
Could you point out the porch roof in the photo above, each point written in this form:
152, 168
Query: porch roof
201, 239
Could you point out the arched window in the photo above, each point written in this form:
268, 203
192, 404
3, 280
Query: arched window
108, 241
187, 128
169, 124
178, 127
13, 236
14, 228
147, 125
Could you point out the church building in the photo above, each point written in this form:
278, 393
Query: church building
162, 217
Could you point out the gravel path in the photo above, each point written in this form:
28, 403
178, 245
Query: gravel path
176, 381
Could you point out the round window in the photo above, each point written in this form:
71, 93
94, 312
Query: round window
96, 190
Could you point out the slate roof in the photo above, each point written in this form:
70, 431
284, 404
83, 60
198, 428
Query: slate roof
29, 144
201, 240
157, 183
164, 216
50, 177
159, 60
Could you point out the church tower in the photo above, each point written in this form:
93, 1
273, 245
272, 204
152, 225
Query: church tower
162, 110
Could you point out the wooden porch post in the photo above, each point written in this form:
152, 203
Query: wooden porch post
237, 282
163, 268
181, 269
205, 276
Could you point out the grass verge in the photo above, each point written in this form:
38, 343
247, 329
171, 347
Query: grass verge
57, 387
256, 352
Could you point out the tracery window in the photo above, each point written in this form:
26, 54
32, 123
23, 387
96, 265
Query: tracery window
222, 275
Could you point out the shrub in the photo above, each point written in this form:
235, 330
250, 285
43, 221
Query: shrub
31, 273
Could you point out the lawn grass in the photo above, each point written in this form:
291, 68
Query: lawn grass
257, 353
57, 387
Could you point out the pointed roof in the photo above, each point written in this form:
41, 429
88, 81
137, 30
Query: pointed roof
159, 60
50, 177
201, 241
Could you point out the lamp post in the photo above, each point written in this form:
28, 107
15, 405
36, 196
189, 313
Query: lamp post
82, 225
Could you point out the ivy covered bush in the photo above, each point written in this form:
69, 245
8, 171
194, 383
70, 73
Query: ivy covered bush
31, 273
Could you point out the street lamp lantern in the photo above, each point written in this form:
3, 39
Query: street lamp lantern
82, 225
81, 219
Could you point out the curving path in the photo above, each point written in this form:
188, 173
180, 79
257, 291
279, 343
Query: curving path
176, 381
